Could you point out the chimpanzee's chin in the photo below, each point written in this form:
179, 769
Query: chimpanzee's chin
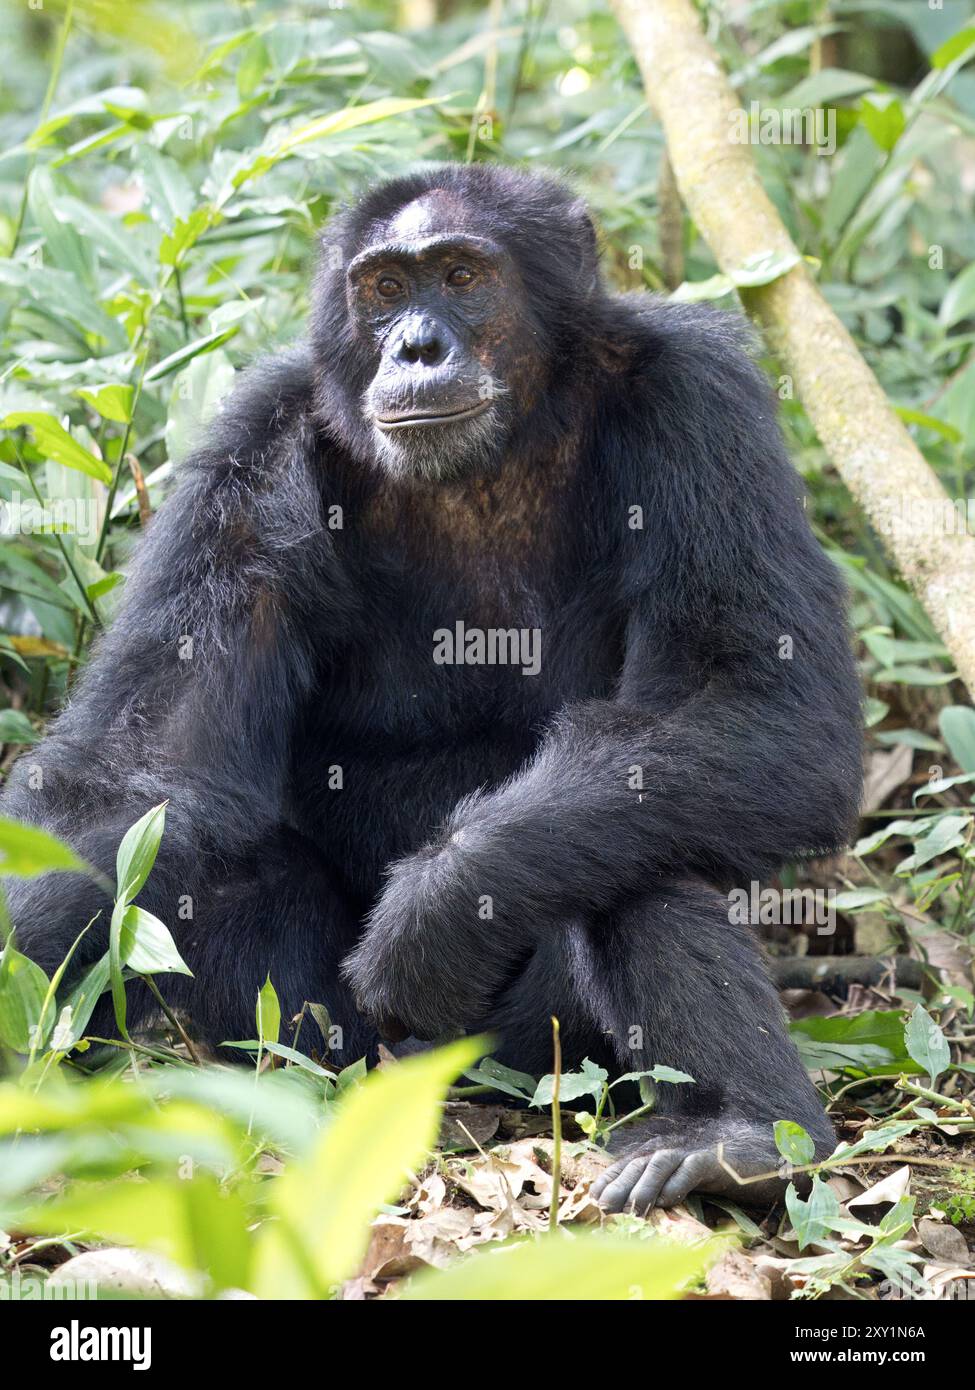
441, 452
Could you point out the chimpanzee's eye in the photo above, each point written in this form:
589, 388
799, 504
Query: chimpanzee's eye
388, 287
460, 277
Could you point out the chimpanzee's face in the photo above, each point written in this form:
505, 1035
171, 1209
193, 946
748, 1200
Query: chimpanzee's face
441, 308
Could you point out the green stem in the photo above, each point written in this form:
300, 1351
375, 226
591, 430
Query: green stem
52, 84
173, 1020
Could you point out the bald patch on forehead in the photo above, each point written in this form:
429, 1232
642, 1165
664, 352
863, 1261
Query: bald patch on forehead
436, 211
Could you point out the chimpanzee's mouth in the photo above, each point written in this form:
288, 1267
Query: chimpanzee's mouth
424, 418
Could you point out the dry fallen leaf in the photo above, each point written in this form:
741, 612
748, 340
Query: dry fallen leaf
890, 1189
736, 1276
946, 1243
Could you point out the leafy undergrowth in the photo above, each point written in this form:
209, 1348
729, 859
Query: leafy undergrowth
289, 1179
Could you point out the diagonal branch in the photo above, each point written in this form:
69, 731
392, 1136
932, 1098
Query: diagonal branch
869, 446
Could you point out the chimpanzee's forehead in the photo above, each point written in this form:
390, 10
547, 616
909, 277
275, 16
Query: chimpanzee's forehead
437, 211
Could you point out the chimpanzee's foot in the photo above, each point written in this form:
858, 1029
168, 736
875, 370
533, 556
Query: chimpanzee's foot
664, 1166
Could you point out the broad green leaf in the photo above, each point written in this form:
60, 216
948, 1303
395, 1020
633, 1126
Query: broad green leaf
940, 836
812, 1219
185, 354
883, 116
954, 48
289, 1054
587, 1267
793, 1143
380, 1131
147, 948
278, 146
959, 301
137, 852
759, 269
54, 440
676, 1078
85, 995
113, 401
23, 989
926, 1043
26, 851
196, 1223
15, 727
572, 1085
877, 1140
957, 725
856, 898
488, 1072
268, 1013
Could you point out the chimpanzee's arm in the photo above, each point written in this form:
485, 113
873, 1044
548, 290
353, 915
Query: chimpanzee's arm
191, 694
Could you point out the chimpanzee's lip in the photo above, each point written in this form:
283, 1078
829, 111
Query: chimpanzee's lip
399, 422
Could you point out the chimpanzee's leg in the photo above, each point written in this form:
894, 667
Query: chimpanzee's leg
670, 981
680, 985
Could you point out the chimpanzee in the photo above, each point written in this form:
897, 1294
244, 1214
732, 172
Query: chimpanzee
479, 651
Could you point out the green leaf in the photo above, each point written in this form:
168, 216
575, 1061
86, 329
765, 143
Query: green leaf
85, 995
957, 725
572, 1085
759, 269
23, 990
940, 836
954, 48
113, 401
959, 301
290, 1054
26, 852
195, 1223
268, 1013
812, 1220
929, 422
116, 978
589, 1267
278, 147
502, 1078
253, 65
855, 898
15, 727
676, 1078
146, 947
53, 440
185, 354
137, 852
793, 1143
926, 1043
380, 1131
883, 116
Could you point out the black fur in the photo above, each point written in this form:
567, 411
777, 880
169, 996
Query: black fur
471, 785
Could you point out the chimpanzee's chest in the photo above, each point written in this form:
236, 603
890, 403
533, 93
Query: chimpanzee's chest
474, 632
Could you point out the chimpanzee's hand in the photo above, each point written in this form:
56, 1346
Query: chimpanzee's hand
664, 1167
426, 963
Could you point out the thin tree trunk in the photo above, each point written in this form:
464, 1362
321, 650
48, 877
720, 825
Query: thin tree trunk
866, 441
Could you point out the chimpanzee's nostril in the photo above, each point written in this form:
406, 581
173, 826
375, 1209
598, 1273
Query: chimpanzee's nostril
422, 342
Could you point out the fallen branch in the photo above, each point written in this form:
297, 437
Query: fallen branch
812, 972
